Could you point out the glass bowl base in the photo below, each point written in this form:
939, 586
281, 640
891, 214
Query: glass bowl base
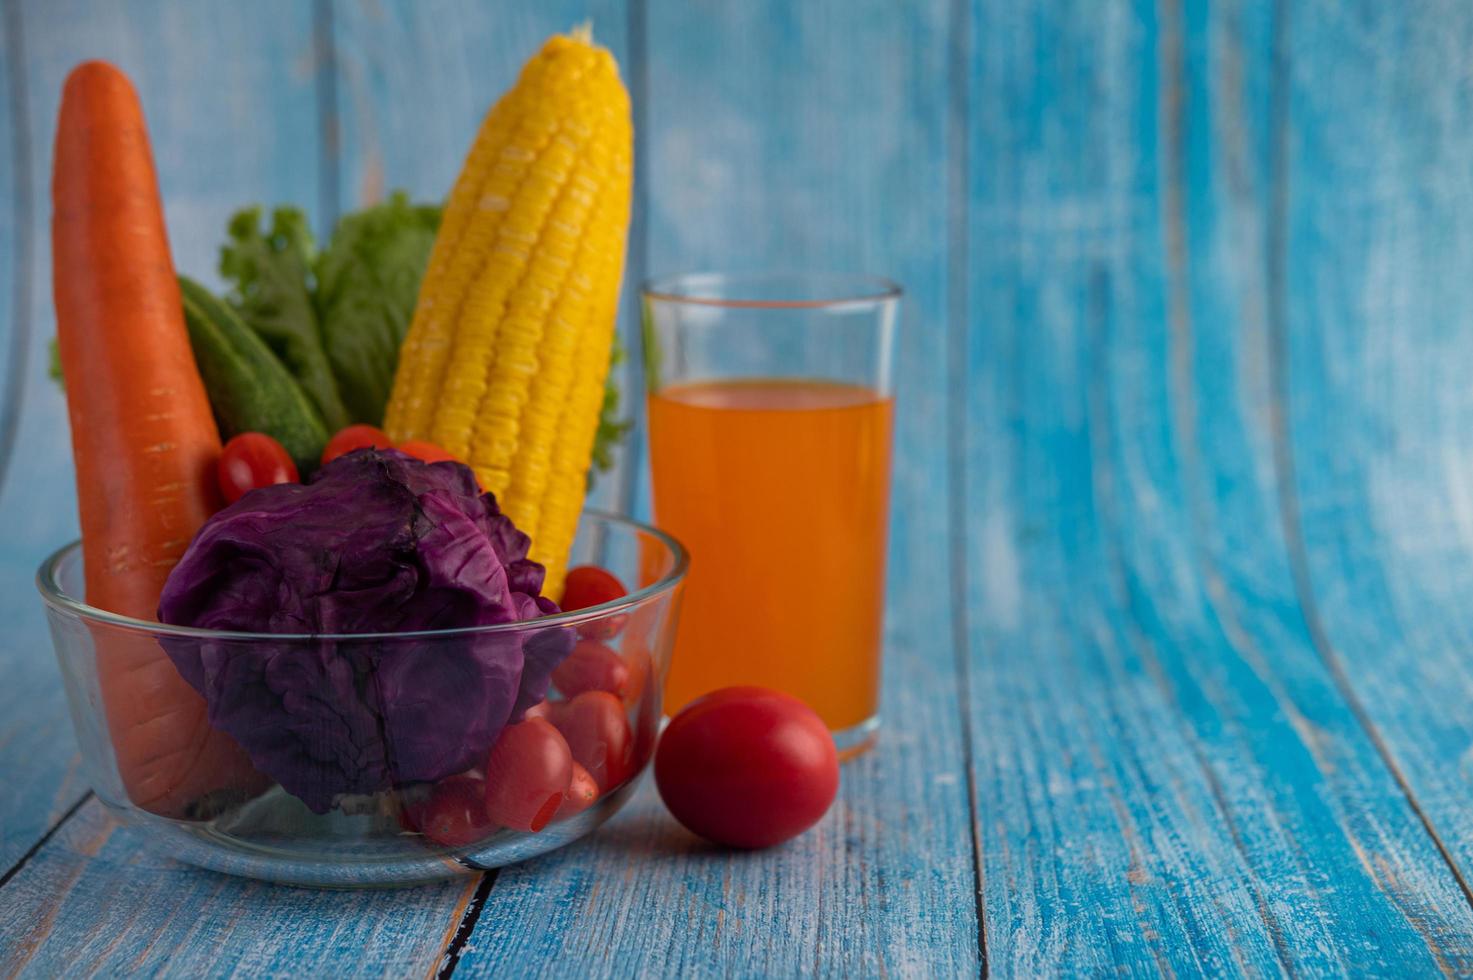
265, 840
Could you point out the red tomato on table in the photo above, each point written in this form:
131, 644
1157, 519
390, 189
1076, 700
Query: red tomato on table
252, 460
747, 767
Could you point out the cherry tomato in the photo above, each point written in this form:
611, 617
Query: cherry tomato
427, 451
354, 437
598, 735
454, 813
582, 791
591, 667
747, 767
252, 460
527, 773
589, 585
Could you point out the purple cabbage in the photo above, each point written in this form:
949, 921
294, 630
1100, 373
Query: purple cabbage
374, 542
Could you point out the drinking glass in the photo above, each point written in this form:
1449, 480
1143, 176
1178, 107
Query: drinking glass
770, 415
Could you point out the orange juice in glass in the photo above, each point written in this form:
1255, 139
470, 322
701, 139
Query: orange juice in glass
770, 415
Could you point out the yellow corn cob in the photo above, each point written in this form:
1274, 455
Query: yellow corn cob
505, 361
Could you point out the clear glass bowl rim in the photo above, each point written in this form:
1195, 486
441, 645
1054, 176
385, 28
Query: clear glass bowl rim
827, 289
53, 596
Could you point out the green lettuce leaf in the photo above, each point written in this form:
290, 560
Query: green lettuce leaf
270, 274
337, 318
367, 283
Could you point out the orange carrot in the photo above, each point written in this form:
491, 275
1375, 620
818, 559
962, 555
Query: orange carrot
144, 441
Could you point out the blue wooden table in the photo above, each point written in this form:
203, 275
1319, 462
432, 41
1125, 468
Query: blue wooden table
1180, 642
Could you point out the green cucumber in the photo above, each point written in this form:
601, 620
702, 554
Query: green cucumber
250, 389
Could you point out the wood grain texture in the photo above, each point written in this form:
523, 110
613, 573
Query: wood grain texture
844, 168
1169, 779
1374, 328
413, 82
96, 903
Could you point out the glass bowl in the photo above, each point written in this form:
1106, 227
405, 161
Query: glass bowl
341, 761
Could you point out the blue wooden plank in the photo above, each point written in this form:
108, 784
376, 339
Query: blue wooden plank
228, 92
36, 748
1192, 434
1169, 778
840, 166
15, 201
34, 733
1372, 325
1234, 346
95, 902
413, 82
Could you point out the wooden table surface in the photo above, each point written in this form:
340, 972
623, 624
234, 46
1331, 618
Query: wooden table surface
1180, 639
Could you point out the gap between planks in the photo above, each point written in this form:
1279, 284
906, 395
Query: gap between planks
470, 915
21, 862
958, 245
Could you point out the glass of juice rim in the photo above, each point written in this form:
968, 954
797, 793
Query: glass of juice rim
771, 404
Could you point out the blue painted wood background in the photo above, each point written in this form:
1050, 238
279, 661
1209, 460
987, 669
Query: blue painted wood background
1180, 639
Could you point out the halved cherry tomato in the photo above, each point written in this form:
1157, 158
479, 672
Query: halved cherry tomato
591, 666
454, 813
582, 792
598, 735
354, 437
427, 451
527, 773
589, 585
747, 767
252, 460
